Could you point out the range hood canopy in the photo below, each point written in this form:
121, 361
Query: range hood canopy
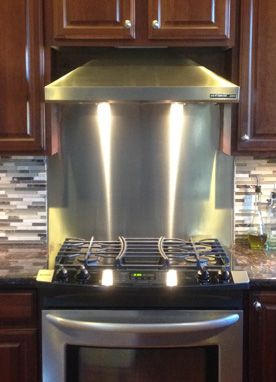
141, 75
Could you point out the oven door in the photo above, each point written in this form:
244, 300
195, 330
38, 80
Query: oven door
142, 345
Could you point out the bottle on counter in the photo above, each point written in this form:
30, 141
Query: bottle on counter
271, 227
257, 233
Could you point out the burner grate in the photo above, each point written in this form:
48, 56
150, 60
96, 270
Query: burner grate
155, 253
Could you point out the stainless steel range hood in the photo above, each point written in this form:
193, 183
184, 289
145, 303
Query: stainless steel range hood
141, 75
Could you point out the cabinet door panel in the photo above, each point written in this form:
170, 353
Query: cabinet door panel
17, 307
187, 19
257, 128
18, 356
94, 19
21, 81
262, 337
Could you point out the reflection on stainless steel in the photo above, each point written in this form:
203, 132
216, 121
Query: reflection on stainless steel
176, 126
139, 176
104, 124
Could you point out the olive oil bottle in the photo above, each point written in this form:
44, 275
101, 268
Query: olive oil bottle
257, 235
271, 231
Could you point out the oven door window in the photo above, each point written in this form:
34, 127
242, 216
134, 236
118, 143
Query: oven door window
193, 364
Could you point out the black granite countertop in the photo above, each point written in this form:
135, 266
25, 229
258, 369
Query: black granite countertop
260, 265
19, 263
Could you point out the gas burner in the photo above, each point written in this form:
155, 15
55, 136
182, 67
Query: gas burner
207, 259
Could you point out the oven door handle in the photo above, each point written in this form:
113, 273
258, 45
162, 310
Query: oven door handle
147, 328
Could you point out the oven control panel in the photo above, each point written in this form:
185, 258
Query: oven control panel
147, 278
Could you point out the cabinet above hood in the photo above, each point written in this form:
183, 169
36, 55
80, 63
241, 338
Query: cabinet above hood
153, 75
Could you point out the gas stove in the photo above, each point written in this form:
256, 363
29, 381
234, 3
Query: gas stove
162, 261
142, 293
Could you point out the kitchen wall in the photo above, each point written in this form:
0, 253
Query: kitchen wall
23, 200
247, 172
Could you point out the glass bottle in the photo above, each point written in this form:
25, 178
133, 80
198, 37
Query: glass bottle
271, 231
257, 235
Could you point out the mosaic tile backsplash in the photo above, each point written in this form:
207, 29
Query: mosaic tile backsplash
23, 199
249, 171
23, 196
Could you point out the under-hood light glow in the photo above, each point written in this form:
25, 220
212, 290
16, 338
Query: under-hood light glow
171, 278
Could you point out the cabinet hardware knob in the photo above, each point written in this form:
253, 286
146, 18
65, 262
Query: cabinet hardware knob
127, 24
257, 305
155, 24
245, 138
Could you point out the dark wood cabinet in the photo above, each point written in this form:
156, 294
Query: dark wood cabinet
262, 337
17, 351
96, 19
256, 131
18, 336
141, 22
22, 128
189, 20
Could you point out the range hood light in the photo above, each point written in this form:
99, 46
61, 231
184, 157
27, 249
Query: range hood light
171, 278
107, 277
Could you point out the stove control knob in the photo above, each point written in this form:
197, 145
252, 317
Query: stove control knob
223, 275
203, 275
62, 274
82, 274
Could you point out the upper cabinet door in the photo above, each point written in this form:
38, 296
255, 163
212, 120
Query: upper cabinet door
94, 19
203, 20
257, 111
21, 77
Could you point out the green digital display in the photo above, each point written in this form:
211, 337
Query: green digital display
145, 276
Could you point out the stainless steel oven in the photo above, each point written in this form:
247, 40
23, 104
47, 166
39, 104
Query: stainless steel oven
142, 345
143, 310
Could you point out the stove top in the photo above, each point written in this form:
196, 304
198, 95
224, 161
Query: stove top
145, 261
154, 253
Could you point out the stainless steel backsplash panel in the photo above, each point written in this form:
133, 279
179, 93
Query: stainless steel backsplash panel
137, 200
